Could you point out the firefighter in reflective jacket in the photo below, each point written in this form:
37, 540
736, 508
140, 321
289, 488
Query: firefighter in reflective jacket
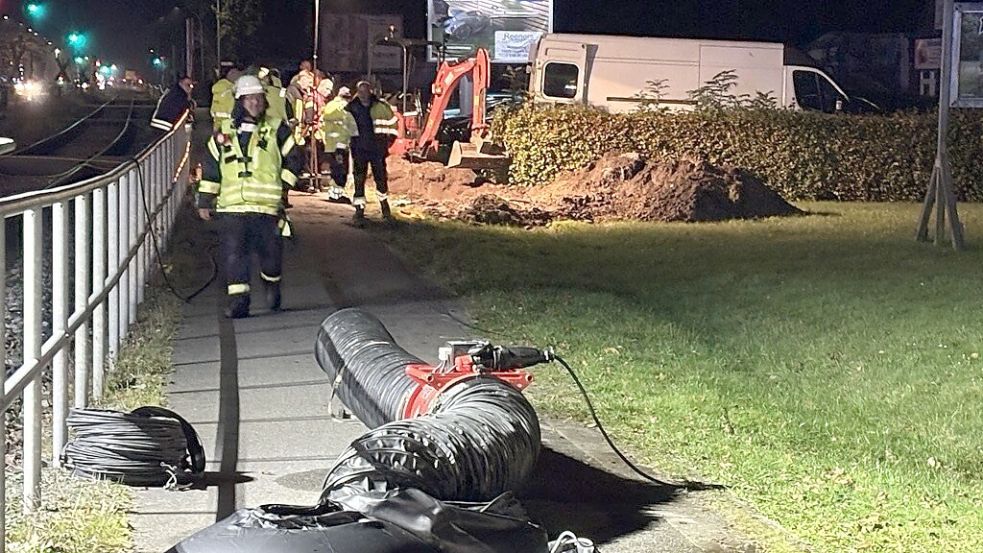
173, 105
338, 126
252, 159
276, 95
377, 130
223, 98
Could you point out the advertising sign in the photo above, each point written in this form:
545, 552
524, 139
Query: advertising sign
967, 55
506, 28
348, 43
928, 53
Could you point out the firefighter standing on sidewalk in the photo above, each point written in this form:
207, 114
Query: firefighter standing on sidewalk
276, 95
338, 126
223, 97
252, 158
377, 130
173, 105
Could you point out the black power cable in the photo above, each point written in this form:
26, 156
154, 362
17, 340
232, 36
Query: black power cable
607, 438
149, 447
158, 256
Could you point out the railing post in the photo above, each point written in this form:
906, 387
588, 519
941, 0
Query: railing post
159, 223
3, 363
133, 264
112, 262
162, 180
33, 231
124, 279
82, 249
146, 196
99, 254
59, 321
172, 179
141, 229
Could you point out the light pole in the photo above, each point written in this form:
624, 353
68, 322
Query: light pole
218, 33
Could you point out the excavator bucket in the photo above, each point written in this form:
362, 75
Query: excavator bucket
477, 155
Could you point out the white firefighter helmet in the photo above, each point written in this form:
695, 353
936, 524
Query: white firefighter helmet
325, 87
248, 84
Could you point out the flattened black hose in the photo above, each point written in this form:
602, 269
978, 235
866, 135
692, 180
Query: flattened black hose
480, 440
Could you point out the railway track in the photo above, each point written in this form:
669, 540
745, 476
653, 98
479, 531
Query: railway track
104, 138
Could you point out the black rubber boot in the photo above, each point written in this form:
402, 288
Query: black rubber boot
273, 295
387, 213
238, 307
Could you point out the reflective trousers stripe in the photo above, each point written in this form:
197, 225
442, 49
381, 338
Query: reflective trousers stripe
238, 289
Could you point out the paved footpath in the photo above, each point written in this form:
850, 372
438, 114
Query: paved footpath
257, 397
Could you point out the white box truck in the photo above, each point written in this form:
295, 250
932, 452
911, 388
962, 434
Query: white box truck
612, 72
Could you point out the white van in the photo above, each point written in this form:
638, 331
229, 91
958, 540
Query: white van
612, 72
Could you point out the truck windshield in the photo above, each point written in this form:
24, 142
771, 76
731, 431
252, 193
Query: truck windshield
560, 80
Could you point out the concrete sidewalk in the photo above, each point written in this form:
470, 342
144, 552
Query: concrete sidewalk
255, 394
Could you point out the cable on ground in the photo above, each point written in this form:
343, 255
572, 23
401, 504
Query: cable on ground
156, 243
150, 446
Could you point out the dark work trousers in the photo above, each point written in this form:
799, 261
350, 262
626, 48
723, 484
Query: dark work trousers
339, 167
360, 170
245, 234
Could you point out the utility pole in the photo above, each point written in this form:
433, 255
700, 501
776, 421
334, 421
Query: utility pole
317, 23
940, 194
218, 33
189, 46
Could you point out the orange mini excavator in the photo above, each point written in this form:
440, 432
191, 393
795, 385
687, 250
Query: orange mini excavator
418, 136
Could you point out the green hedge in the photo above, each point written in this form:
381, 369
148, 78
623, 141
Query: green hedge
802, 155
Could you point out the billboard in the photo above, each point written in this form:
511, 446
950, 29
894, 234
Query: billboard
348, 43
506, 28
928, 54
967, 56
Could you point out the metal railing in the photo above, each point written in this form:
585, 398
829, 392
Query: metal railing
111, 222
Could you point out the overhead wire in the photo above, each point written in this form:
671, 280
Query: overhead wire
59, 177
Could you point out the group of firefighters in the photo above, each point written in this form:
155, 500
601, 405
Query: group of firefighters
269, 137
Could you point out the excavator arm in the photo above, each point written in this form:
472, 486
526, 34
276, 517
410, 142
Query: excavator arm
448, 79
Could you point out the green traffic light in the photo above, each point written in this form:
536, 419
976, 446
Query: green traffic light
36, 10
77, 40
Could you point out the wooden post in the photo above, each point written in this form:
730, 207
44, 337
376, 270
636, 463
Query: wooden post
940, 193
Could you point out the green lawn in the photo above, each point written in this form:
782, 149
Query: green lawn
826, 368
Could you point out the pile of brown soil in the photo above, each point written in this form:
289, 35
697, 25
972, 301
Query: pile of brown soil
434, 184
617, 187
630, 187
490, 209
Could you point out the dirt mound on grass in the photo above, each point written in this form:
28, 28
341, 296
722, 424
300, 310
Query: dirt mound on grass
434, 183
630, 187
617, 187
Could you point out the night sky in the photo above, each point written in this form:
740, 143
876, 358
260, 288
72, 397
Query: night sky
123, 30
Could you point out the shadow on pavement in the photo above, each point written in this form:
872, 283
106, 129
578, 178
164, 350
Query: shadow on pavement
566, 494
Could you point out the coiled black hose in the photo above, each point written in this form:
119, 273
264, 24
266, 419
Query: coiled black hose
149, 447
481, 439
